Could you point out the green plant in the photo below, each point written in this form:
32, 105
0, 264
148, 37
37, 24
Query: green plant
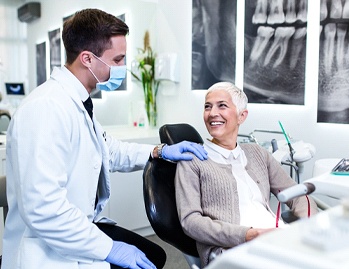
146, 66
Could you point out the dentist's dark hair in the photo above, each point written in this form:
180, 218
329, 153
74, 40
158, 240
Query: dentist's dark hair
91, 30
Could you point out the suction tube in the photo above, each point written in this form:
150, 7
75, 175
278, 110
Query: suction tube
296, 191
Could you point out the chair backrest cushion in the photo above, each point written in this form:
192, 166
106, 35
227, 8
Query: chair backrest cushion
159, 191
3, 197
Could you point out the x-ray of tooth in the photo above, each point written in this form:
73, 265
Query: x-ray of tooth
275, 51
40, 63
333, 89
213, 42
55, 48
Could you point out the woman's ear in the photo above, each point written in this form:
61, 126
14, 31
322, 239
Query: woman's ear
243, 116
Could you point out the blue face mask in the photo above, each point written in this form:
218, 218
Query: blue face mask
117, 75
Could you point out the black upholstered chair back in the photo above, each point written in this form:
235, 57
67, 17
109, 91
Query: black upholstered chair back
159, 191
3, 197
3, 202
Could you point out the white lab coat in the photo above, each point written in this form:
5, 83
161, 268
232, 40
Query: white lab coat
55, 159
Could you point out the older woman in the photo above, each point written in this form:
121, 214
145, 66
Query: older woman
224, 201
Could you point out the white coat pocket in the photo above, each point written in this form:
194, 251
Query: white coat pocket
34, 254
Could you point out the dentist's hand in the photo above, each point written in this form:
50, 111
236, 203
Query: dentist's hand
128, 256
177, 152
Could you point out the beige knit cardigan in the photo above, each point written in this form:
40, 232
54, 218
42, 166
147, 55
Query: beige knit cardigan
208, 201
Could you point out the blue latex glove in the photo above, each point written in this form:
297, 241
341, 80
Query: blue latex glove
128, 256
177, 152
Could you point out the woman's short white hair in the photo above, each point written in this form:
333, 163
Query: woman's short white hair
238, 97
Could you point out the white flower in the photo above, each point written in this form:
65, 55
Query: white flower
140, 57
148, 67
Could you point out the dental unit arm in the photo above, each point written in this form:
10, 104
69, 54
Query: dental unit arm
298, 152
282, 150
334, 184
302, 152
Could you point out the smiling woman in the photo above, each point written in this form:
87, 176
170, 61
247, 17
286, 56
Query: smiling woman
224, 112
229, 193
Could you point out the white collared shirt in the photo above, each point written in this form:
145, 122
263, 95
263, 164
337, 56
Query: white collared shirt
254, 212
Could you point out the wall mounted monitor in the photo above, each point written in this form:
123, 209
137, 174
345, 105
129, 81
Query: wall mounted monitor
14, 88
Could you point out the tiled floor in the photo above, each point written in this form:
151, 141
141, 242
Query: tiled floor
175, 259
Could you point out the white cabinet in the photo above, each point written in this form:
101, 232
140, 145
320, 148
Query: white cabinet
126, 205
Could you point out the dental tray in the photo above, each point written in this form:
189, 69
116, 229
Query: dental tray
341, 168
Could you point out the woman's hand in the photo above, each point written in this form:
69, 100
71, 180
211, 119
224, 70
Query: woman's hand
253, 233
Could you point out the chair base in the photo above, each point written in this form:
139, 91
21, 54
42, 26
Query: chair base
288, 216
191, 260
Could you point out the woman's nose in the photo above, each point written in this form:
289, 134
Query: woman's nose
214, 111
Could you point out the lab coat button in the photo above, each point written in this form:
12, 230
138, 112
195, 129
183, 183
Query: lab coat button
96, 166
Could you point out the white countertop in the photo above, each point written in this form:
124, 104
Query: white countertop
121, 132
125, 132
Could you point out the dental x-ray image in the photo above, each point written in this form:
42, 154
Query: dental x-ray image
213, 42
333, 92
55, 48
275, 51
40, 63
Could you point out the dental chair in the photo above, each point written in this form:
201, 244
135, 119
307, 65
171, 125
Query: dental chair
159, 193
3, 200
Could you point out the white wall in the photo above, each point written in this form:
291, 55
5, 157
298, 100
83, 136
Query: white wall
174, 28
140, 16
13, 52
169, 23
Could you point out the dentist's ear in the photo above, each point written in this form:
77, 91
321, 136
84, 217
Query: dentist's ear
85, 58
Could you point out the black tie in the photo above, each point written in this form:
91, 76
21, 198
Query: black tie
89, 106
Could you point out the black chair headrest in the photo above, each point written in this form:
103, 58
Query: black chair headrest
175, 133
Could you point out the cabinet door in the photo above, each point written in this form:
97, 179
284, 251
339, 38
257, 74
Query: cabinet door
126, 204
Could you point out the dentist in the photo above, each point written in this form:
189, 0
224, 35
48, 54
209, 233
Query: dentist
58, 159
